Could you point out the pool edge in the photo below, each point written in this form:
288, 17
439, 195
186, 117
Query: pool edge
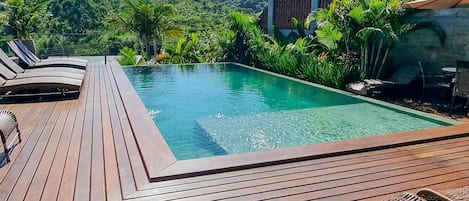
168, 169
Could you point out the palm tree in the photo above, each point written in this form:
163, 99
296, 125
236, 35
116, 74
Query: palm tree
369, 27
151, 22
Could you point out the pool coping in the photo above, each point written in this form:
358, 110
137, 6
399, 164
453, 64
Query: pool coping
161, 164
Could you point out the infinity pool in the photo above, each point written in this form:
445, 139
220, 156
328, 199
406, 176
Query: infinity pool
218, 109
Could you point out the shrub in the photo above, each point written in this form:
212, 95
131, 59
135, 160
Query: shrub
127, 56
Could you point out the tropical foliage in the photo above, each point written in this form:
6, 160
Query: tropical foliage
80, 27
299, 59
352, 40
127, 56
21, 17
367, 29
151, 22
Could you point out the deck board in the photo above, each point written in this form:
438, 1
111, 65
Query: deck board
271, 187
98, 186
90, 148
67, 185
339, 166
51, 188
31, 165
83, 178
113, 189
127, 181
45, 166
140, 178
26, 129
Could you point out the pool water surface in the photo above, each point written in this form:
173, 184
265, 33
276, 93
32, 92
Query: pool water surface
207, 110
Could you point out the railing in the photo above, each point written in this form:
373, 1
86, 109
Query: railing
75, 44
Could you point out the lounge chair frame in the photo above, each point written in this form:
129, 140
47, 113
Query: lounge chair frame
8, 123
461, 85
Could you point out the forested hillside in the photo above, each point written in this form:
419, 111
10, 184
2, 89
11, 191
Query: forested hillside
202, 15
250, 5
81, 26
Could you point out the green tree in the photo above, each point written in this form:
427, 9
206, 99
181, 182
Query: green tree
21, 17
151, 22
79, 15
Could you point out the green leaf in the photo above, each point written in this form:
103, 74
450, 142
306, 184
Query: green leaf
357, 14
329, 36
299, 27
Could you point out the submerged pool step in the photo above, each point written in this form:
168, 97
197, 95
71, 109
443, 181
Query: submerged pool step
264, 131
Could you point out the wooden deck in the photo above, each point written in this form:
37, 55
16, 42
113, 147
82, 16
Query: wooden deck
103, 146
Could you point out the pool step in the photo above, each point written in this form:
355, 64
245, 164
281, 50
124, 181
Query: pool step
264, 131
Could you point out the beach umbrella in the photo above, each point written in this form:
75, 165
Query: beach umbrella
436, 4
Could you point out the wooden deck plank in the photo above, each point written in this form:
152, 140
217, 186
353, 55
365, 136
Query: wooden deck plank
138, 168
126, 176
42, 172
98, 185
154, 150
312, 192
24, 179
307, 178
52, 186
83, 178
424, 181
328, 171
29, 116
12, 170
67, 184
278, 169
113, 188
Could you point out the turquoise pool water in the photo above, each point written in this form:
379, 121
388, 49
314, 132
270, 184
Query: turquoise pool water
216, 109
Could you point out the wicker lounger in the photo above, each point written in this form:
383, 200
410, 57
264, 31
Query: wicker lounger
8, 123
426, 194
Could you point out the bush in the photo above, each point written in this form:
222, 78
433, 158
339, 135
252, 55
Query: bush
127, 56
298, 59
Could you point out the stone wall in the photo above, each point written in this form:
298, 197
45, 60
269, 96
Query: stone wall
424, 45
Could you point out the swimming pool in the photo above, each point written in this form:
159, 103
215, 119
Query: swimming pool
207, 110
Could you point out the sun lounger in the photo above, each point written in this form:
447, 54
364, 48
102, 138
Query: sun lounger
18, 69
50, 63
11, 83
402, 77
60, 85
36, 59
8, 74
43, 81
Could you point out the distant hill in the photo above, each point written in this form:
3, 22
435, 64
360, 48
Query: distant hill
249, 5
210, 15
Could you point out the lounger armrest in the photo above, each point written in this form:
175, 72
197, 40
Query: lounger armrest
430, 194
